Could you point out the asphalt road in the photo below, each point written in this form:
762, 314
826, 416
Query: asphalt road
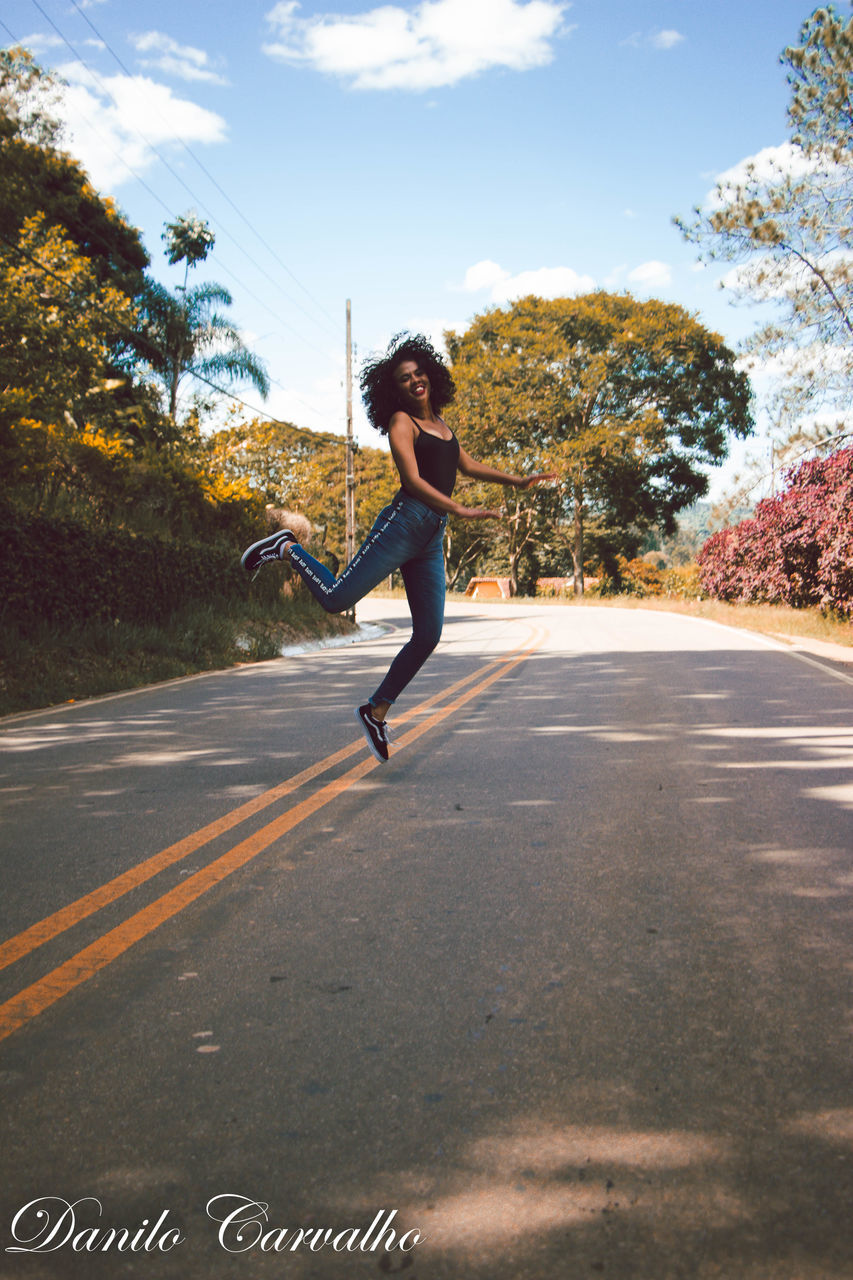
561, 991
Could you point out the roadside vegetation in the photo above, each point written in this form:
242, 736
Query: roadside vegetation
769, 619
120, 533
45, 664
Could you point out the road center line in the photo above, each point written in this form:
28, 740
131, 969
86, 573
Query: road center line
34, 999
36, 935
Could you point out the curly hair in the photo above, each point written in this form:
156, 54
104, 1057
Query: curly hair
379, 391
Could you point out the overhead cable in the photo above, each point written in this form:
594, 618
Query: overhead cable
211, 178
99, 82
123, 328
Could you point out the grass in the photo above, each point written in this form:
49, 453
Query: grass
47, 665
769, 619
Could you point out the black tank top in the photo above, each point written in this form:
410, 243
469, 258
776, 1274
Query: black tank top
437, 460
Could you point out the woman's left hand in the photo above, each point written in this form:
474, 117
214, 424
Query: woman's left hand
538, 478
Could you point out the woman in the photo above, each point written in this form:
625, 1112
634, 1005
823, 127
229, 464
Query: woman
404, 392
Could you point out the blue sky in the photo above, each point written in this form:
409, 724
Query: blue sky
424, 159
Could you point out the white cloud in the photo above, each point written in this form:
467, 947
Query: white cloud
318, 404
772, 280
112, 124
796, 362
434, 44
557, 282
768, 166
666, 39
651, 275
545, 282
181, 60
38, 43
483, 275
435, 327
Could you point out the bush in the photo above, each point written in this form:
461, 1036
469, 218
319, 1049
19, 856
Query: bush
621, 577
681, 582
798, 547
65, 572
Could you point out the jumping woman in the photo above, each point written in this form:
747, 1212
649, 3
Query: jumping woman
404, 392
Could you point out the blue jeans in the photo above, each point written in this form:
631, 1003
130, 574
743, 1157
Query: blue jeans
407, 535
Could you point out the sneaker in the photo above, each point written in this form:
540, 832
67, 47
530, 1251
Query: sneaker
376, 731
269, 548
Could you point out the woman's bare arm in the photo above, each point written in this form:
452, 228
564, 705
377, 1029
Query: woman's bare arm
481, 471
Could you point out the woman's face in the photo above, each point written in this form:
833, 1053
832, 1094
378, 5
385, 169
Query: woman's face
412, 385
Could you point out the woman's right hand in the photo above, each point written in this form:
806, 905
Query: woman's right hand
477, 513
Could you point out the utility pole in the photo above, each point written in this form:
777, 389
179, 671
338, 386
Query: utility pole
350, 481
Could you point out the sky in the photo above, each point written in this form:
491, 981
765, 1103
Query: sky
424, 159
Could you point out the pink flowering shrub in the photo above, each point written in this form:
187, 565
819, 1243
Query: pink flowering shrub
798, 547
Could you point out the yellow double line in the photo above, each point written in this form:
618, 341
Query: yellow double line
34, 999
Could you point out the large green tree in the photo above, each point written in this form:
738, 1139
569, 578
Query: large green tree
786, 220
72, 269
81, 432
56, 374
38, 177
628, 400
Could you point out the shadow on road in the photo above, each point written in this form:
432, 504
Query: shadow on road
567, 984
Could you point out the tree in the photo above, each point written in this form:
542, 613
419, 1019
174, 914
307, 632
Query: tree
787, 220
304, 471
56, 322
188, 334
37, 177
27, 97
820, 73
78, 429
188, 239
42, 187
627, 399
467, 544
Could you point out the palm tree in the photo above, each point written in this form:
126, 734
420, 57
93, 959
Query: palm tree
185, 332
189, 335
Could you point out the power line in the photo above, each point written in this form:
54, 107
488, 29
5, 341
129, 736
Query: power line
115, 249
160, 155
125, 329
243, 286
211, 178
221, 267
260, 413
